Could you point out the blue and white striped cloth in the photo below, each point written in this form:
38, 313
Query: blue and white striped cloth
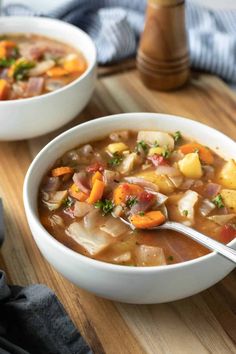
115, 26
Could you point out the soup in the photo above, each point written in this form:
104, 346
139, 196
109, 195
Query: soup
32, 65
140, 177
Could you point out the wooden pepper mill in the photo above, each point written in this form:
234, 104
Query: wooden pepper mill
163, 58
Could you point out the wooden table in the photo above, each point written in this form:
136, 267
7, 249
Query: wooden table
204, 323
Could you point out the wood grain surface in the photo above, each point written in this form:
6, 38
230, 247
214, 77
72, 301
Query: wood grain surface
205, 323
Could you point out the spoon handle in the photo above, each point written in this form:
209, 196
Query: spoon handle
206, 241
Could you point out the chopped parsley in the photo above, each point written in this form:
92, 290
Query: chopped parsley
141, 146
166, 153
131, 201
185, 212
115, 160
67, 203
196, 151
141, 213
6, 63
218, 201
177, 136
21, 69
170, 258
105, 205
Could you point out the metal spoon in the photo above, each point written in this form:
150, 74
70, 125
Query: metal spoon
206, 241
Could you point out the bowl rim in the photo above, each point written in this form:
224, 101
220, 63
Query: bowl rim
38, 19
93, 262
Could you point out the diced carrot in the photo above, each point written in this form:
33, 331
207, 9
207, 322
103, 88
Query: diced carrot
96, 192
204, 153
74, 65
124, 191
3, 52
148, 220
97, 175
77, 194
7, 44
4, 89
57, 71
59, 171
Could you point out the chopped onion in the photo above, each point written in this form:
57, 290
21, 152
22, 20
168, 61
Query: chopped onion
149, 256
117, 211
34, 86
186, 204
113, 227
176, 180
41, 68
82, 208
206, 207
51, 184
211, 190
81, 180
87, 150
124, 257
167, 170
209, 171
93, 243
222, 219
53, 84
143, 183
187, 184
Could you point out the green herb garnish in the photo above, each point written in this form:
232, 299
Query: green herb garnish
196, 151
185, 212
218, 201
6, 63
141, 146
115, 160
141, 213
67, 203
170, 258
22, 68
131, 201
166, 153
177, 136
105, 205
156, 144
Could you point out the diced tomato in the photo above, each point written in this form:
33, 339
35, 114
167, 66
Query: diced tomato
96, 166
227, 233
158, 160
146, 197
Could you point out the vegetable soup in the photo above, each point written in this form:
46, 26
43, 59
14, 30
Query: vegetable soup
32, 65
138, 176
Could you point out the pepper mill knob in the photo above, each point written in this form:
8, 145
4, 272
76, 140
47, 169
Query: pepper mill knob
163, 58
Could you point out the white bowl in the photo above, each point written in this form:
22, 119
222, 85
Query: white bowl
30, 117
122, 283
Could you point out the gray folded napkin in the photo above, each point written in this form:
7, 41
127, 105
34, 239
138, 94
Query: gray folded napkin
33, 321
115, 26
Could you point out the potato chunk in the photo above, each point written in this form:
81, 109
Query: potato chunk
190, 166
162, 181
227, 175
229, 199
117, 147
161, 138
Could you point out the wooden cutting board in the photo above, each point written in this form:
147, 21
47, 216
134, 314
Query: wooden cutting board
205, 323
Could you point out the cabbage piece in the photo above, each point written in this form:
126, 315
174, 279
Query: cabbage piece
222, 219
128, 163
149, 256
93, 242
186, 204
82, 208
113, 227
161, 138
53, 200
